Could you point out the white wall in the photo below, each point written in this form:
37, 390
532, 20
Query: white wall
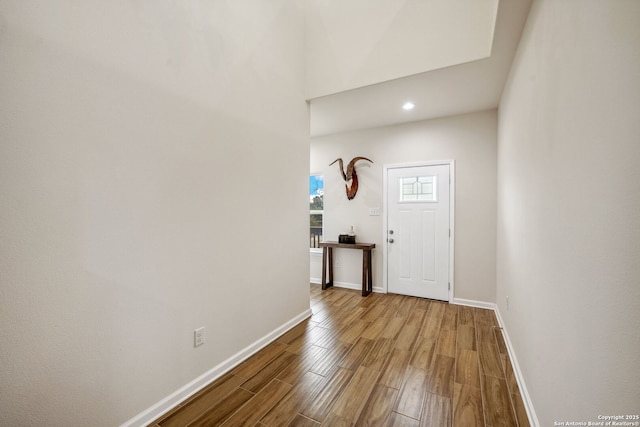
568, 208
350, 44
145, 177
468, 139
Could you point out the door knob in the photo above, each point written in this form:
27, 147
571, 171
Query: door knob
390, 240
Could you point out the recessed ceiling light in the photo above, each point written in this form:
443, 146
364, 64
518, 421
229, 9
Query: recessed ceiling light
408, 106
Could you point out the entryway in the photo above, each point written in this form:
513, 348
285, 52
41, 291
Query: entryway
418, 252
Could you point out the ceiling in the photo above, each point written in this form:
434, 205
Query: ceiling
458, 89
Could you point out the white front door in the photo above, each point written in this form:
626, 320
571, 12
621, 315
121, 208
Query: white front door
418, 231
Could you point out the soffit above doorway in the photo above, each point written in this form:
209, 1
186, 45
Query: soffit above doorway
462, 87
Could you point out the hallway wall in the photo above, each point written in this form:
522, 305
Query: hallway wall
568, 203
145, 160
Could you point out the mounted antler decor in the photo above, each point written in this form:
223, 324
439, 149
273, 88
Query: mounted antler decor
350, 177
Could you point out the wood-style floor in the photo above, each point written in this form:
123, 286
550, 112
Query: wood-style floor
382, 360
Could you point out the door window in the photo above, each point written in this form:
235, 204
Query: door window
418, 189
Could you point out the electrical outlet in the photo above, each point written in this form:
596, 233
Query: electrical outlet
336, 263
198, 337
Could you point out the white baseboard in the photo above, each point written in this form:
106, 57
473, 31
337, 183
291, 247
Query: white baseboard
533, 418
473, 303
346, 285
169, 402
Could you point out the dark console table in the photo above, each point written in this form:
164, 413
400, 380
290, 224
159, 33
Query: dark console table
327, 259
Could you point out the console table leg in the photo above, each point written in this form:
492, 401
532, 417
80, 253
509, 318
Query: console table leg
330, 267
369, 273
324, 268
366, 273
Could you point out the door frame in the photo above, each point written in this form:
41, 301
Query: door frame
385, 174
